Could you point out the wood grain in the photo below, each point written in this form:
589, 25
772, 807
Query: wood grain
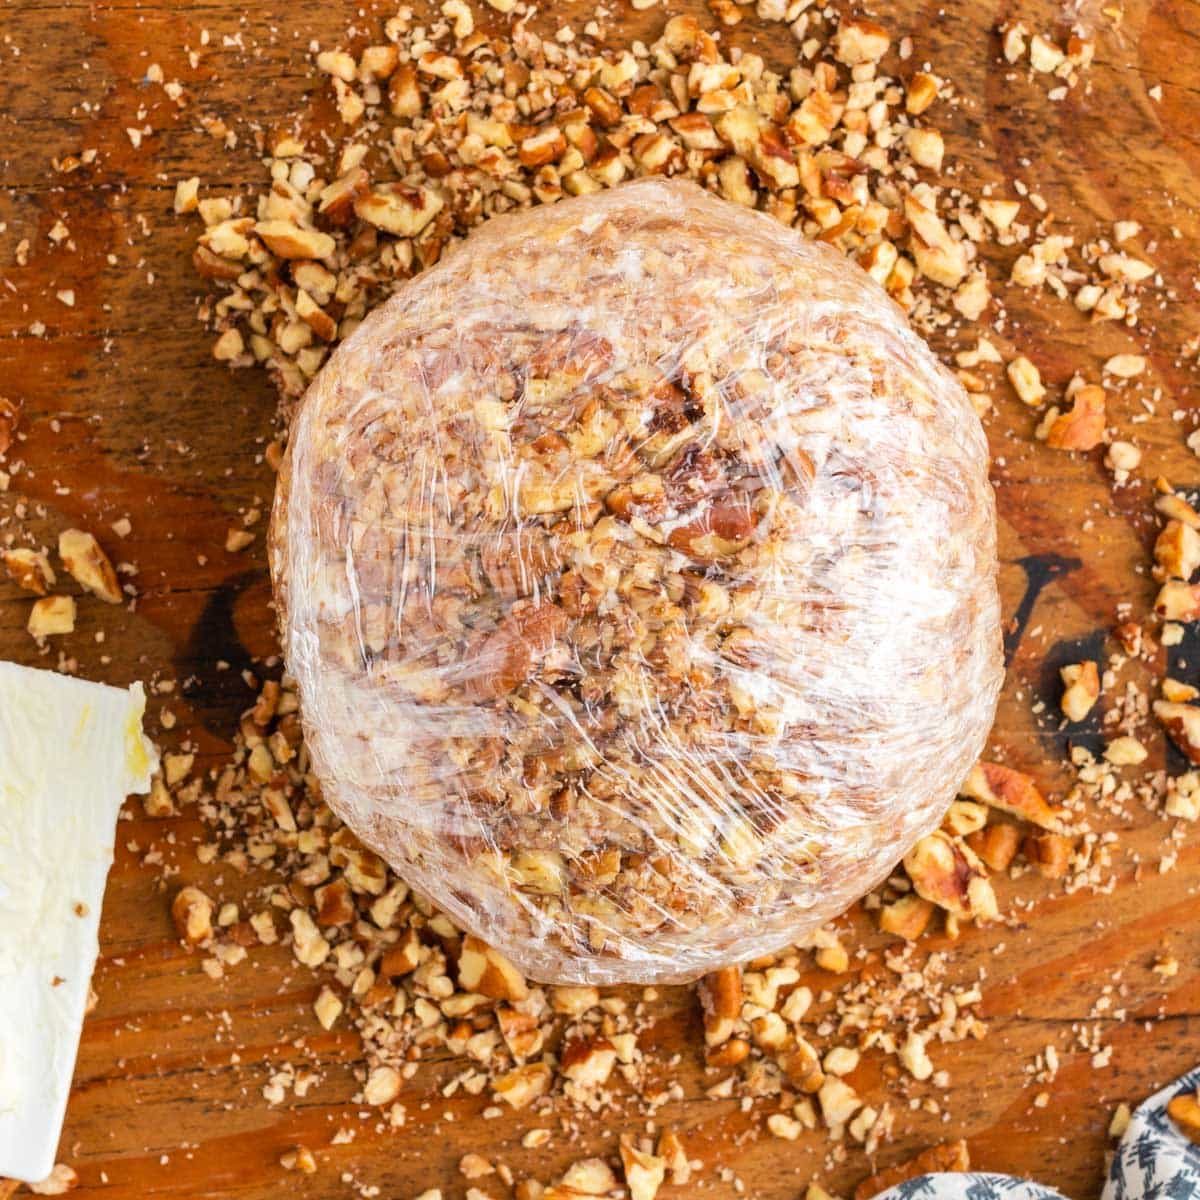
127, 415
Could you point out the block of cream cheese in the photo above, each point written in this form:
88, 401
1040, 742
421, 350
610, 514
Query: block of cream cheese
70, 752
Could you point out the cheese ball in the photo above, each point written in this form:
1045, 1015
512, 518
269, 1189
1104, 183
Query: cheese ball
637, 566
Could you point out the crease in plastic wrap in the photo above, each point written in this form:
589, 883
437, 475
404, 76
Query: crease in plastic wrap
637, 567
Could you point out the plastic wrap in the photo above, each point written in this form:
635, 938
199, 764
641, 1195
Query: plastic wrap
637, 566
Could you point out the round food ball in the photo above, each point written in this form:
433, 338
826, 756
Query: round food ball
637, 565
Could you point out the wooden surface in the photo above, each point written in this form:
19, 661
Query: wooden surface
127, 415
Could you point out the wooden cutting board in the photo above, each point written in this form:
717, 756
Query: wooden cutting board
127, 415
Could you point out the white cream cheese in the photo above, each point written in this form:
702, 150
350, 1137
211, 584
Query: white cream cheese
70, 752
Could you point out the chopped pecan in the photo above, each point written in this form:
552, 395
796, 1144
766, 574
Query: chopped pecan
404, 92
1026, 380
1182, 722
684, 38
1050, 853
1010, 791
398, 209
335, 903
88, 565
947, 873
728, 1053
1125, 751
192, 912
382, 1086
315, 317
921, 92
378, 62
858, 41
1180, 693
802, 1066
1185, 1112
672, 1150
51, 615
603, 106
588, 1177
289, 240
213, 266
996, 845
907, 917
839, 1101
588, 1061
520, 1031
1176, 508
327, 1008
338, 199
1178, 601
1177, 551
521, 1086
483, 969
726, 11
721, 999
1083, 427
644, 1172
546, 146
1081, 689
29, 569
964, 817
937, 254
949, 1156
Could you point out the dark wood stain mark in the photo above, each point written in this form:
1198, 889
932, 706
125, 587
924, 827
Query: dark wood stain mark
1040, 570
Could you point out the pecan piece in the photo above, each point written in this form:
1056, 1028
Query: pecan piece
948, 874
483, 969
1185, 1112
802, 1066
728, 1054
521, 1086
520, 1031
1178, 601
1081, 689
1083, 427
88, 565
338, 198
1177, 551
996, 845
51, 615
28, 569
1182, 722
1011, 792
588, 1061
859, 41
644, 1172
722, 530
192, 912
403, 957
949, 1156
721, 999
404, 92
907, 917
399, 209
509, 655
672, 1150
1050, 853
214, 266
938, 255
289, 240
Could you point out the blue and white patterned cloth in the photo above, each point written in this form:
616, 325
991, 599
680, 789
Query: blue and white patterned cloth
1153, 1162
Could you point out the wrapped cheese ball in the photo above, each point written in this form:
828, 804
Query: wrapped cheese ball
637, 566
